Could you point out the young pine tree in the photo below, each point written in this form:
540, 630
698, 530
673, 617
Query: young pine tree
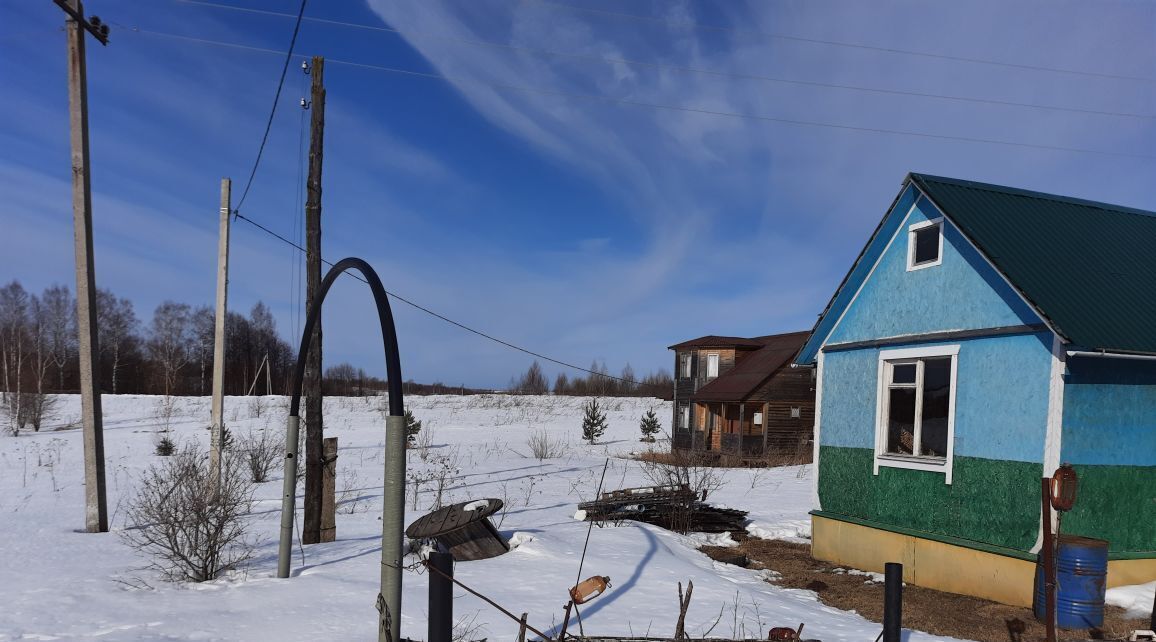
649, 426
593, 422
412, 428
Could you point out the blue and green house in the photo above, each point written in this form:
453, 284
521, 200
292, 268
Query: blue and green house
984, 336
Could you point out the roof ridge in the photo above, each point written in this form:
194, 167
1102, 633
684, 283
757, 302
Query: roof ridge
1043, 196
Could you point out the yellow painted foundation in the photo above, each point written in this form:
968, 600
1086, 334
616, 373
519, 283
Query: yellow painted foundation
946, 567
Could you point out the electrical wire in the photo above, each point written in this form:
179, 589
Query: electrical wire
676, 108
676, 68
442, 317
834, 43
273, 109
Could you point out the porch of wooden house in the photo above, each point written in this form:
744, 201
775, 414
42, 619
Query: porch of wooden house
731, 428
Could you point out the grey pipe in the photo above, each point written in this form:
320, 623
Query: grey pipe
392, 528
288, 497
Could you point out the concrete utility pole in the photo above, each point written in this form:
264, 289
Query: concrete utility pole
218, 421
95, 500
314, 433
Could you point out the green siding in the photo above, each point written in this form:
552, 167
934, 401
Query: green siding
989, 501
1118, 504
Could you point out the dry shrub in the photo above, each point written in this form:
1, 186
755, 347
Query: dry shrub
190, 528
543, 446
261, 450
698, 471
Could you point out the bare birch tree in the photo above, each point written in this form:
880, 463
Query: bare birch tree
13, 351
117, 325
169, 341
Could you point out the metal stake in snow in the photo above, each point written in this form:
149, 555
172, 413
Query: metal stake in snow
393, 510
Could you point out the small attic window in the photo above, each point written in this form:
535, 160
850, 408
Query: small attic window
925, 244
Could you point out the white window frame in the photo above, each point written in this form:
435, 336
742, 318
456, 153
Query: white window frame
684, 365
911, 230
684, 417
712, 358
914, 462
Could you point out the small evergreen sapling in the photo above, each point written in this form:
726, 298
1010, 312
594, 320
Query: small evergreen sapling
412, 428
593, 422
649, 426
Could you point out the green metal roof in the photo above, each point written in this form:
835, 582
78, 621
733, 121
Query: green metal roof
1089, 268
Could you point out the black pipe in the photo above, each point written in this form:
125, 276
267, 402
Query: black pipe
441, 597
892, 602
388, 334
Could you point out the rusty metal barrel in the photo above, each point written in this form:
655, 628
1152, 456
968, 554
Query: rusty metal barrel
1081, 580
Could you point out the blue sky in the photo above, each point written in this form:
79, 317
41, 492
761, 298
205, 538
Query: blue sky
581, 228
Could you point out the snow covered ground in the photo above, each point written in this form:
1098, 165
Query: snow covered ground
58, 583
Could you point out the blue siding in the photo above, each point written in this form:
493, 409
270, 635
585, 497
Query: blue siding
1110, 412
1001, 397
858, 273
962, 293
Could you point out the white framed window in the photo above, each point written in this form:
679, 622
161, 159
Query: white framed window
684, 365
712, 365
915, 409
684, 417
925, 244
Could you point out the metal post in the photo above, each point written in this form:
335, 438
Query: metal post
218, 424
288, 496
392, 518
441, 598
892, 602
1049, 552
95, 501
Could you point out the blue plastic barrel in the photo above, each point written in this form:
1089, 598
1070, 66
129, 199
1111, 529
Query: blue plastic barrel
1081, 579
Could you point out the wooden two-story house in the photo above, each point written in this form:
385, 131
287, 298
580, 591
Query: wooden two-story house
741, 396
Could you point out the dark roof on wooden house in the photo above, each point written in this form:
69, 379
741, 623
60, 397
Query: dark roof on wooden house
752, 371
715, 341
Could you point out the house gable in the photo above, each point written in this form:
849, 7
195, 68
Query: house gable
962, 292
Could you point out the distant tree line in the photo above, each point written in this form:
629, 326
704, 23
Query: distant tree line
598, 382
169, 354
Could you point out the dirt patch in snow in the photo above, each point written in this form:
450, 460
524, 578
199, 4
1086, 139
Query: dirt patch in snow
924, 609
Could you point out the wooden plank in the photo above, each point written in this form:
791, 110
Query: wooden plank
329, 490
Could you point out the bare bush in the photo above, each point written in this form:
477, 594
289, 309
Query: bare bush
261, 450
679, 468
349, 498
543, 446
191, 528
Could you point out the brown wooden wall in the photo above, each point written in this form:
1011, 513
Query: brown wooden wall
789, 388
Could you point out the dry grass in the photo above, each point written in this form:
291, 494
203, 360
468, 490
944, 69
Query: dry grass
924, 609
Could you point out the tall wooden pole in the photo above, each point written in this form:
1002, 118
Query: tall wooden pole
314, 434
218, 422
95, 500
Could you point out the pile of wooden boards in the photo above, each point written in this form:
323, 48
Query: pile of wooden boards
676, 508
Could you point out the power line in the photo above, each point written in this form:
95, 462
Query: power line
834, 43
694, 110
437, 315
670, 67
273, 109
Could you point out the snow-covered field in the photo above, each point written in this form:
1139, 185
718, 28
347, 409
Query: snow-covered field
58, 583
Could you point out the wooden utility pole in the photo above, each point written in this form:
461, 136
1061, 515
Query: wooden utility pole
95, 500
314, 434
218, 422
